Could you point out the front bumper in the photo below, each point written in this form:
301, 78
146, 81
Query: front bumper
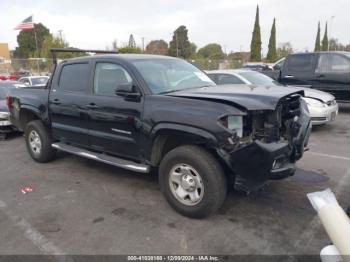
256, 163
323, 115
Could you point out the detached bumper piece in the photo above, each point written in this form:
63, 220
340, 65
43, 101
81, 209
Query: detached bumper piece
256, 163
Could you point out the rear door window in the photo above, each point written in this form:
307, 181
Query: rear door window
300, 65
74, 77
333, 64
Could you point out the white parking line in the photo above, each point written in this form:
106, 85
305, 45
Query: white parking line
34, 236
327, 155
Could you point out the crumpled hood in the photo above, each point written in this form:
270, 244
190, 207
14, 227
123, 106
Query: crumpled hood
317, 94
250, 97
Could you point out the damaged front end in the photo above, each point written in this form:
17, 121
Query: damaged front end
266, 144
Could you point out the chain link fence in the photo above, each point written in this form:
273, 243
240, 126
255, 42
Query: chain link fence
208, 64
24, 67
43, 66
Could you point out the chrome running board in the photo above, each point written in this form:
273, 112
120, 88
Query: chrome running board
115, 161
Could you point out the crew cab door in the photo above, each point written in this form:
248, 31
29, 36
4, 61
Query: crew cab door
299, 69
332, 75
68, 103
115, 121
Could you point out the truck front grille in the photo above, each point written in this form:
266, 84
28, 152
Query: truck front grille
269, 127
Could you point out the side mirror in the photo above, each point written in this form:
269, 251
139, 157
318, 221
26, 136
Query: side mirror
128, 90
277, 67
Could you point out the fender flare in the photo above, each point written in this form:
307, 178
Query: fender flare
183, 128
158, 141
28, 108
32, 109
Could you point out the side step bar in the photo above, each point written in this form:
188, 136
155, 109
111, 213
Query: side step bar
118, 162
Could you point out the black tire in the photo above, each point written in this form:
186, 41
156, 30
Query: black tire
210, 171
46, 152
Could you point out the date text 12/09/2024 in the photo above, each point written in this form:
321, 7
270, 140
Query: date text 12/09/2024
173, 258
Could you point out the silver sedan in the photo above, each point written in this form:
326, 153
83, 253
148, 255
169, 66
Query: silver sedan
322, 106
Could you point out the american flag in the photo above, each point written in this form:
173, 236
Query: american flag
26, 24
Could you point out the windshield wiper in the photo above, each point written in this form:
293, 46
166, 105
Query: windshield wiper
176, 90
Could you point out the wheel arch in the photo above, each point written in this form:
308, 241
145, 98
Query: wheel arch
26, 115
166, 137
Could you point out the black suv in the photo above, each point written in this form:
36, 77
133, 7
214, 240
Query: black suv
326, 71
143, 112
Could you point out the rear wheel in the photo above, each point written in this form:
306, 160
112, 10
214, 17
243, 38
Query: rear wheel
38, 141
192, 181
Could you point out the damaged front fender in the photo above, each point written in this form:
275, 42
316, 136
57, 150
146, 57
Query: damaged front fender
257, 162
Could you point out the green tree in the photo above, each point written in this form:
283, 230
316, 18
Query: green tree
159, 47
325, 43
26, 41
318, 39
132, 42
193, 48
272, 53
180, 46
255, 45
57, 41
284, 49
130, 50
211, 51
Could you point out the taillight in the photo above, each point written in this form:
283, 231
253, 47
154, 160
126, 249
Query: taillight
8, 102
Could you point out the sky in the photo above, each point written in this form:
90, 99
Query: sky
95, 24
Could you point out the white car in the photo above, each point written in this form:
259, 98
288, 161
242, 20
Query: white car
322, 106
34, 81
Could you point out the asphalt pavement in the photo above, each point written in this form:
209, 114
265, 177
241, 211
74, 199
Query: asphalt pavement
79, 206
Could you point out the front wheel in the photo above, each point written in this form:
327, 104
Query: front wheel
39, 141
192, 181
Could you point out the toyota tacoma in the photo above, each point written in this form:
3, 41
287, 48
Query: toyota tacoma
147, 112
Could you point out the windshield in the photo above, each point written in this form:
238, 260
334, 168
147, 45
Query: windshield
258, 79
168, 75
39, 81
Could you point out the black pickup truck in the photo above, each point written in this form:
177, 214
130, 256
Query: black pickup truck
144, 112
325, 71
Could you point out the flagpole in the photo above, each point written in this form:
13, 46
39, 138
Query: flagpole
36, 44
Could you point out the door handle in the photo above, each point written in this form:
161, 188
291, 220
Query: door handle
321, 76
56, 102
92, 106
288, 76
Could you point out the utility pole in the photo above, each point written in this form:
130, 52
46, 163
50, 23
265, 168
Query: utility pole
37, 49
60, 34
143, 44
177, 45
330, 29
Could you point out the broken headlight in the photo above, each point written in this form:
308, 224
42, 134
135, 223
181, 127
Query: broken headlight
234, 124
